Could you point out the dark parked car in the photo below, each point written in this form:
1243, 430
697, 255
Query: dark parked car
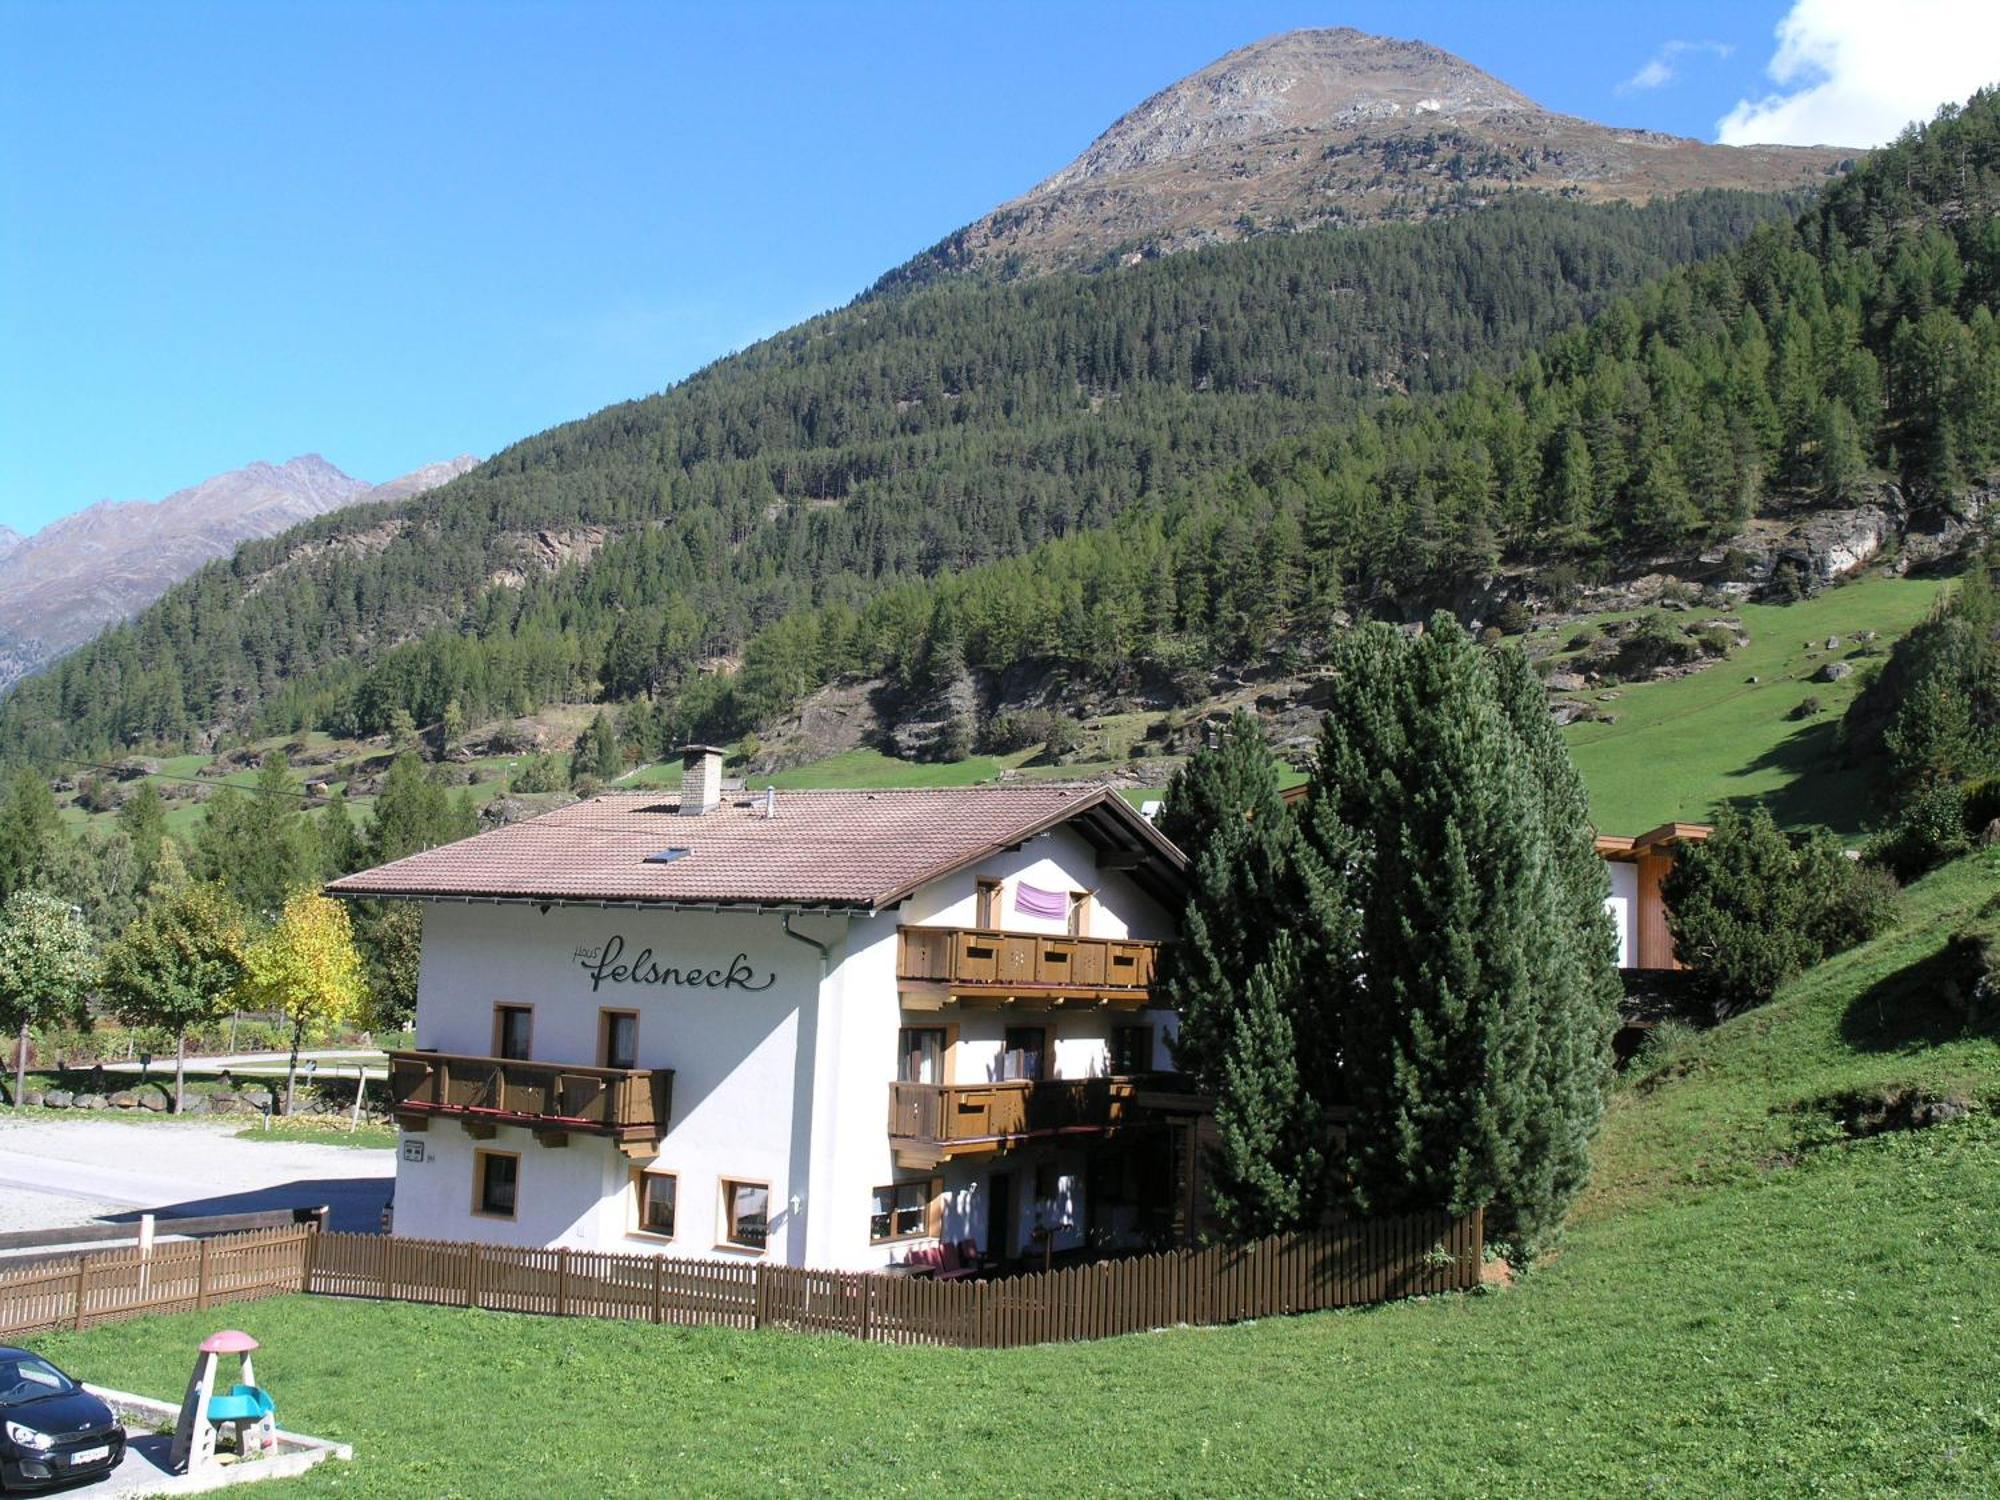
51, 1429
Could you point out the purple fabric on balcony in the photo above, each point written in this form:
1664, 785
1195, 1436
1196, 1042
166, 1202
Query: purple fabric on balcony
1038, 903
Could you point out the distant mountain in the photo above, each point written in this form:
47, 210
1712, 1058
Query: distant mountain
62, 585
1315, 128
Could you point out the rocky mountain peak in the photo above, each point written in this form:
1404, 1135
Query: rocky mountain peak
1315, 79
1332, 128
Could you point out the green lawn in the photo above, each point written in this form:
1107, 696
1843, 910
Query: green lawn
1745, 1306
1682, 748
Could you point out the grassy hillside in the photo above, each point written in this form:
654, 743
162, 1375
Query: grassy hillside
1682, 748
1747, 1304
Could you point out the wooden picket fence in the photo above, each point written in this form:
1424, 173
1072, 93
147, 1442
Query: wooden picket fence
81, 1291
1374, 1261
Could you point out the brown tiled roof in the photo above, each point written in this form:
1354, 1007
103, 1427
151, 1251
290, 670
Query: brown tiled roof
847, 849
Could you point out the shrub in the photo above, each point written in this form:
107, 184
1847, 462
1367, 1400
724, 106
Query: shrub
1717, 641
1017, 729
1806, 707
1585, 638
1065, 738
1513, 618
1930, 831
1662, 1044
1652, 642
1751, 907
539, 773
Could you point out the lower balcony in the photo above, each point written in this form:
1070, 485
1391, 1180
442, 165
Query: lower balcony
931, 1122
555, 1100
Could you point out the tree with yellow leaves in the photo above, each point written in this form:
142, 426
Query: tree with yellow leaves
307, 969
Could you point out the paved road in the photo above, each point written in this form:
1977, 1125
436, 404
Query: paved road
55, 1173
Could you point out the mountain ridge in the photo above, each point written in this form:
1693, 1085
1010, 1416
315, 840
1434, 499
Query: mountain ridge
1331, 126
103, 563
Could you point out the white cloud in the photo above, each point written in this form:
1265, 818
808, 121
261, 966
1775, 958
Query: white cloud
1855, 72
1663, 66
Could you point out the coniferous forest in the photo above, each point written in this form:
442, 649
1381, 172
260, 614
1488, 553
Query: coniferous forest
1162, 467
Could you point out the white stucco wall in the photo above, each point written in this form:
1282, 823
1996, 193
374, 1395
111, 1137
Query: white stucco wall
743, 1067
1623, 904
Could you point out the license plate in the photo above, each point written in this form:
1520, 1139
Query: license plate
89, 1456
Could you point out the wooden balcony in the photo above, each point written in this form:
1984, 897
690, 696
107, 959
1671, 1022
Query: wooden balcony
938, 966
630, 1105
929, 1122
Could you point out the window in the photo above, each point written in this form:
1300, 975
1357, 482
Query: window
920, 1054
989, 903
746, 1214
901, 1212
1024, 1054
1048, 1182
1131, 1049
618, 1039
513, 1031
496, 1180
656, 1195
1079, 913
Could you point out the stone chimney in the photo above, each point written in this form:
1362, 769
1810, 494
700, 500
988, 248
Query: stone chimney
701, 779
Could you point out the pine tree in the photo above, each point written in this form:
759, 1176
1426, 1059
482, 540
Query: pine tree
339, 842
1268, 1170
597, 752
413, 813
144, 819
255, 840
29, 832
1264, 926
1230, 780
1472, 1049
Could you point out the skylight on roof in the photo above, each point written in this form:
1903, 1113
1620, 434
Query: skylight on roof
665, 856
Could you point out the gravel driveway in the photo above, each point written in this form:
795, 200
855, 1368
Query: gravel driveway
55, 1173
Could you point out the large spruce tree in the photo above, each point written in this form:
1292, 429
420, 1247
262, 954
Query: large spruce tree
1264, 923
1478, 1007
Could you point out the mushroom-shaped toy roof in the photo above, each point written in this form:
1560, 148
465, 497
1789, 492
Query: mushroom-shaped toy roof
229, 1341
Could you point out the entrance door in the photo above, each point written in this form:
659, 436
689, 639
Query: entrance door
1000, 1216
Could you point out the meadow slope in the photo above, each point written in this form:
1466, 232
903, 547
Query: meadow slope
1749, 1302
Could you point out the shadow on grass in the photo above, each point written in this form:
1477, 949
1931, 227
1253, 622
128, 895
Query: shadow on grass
1919, 1005
1819, 787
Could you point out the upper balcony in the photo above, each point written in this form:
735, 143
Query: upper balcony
630, 1105
938, 966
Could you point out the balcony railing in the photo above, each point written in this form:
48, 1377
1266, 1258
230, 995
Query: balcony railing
964, 961
630, 1105
944, 1119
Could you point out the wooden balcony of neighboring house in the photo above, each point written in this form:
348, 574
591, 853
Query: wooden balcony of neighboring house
631, 1106
932, 1122
941, 966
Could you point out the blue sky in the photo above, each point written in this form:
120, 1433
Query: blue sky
393, 233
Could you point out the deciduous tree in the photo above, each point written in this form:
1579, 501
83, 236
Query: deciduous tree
178, 967
306, 969
47, 964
